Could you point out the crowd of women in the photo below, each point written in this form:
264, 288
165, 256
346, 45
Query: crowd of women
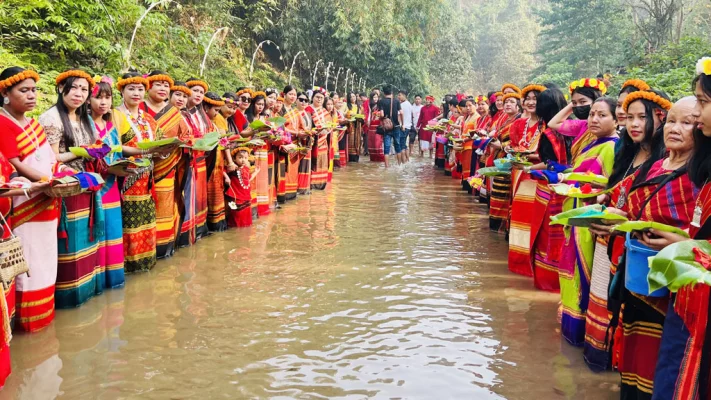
160, 190
654, 156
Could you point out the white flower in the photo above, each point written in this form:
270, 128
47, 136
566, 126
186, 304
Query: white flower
703, 66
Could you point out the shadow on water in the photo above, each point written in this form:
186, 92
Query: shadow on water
386, 285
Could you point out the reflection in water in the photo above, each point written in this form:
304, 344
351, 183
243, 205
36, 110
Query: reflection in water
386, 285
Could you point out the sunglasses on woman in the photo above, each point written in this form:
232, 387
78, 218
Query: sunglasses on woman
303, 100
245, 99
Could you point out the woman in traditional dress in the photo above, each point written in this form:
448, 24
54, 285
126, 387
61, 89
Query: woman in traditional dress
468, 131
666, 195
261, 184
642, 146
185, 176
457, 130
355, 128
429, 112
500, 195
479, 136
443, 150
341, 136
299, 124
320, 154
106, 127
525, 136
684, 362
333, 148
138, 209
171, 123
216, 222
629, 86
238, 122
201, 125
238, 192
296, 126
374, 140
547, 240
34, 219
596, 157
80, 275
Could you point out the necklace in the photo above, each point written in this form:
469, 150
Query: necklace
133, 121
32, 137
241, 179
698, 210
525, 142
623, 191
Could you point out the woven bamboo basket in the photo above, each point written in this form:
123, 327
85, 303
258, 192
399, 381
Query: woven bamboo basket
64, 190
12, 257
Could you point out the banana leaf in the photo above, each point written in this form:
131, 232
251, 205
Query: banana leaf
93, 152
562, 218
276, 122
127, 162
492, 171
679, 265
158, 143
585, 178
256, 142
207, 142
631, 226
595, 217
564, 189
257, 125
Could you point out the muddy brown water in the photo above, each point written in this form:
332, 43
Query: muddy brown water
386, 285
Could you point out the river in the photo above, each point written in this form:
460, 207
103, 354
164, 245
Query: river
386, 285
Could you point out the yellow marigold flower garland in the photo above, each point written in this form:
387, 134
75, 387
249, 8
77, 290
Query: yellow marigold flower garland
650, 96
183, 89
19, 77
260, 93
512, 95
75, 73
638, 83
160, 78
204, 84
531, 88
213, 102
243, 91
589, 83
130, 81
511, 86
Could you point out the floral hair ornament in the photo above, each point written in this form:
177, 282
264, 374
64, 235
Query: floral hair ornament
512, 87
532, 88
260, 93
74, 73
591, 83
183, 89
512, 96
159, 78
227, 100
134, 80
19, 77
636, 83
649, 96
203, 84
280, 98
244, 91
319, 89
703, 66
100, 79
481, 98
218, 103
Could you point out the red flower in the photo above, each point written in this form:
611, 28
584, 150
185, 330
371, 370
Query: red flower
587, 188
702, 258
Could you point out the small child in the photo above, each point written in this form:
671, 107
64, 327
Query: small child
237, 194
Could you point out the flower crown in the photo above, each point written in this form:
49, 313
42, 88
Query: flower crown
589, 83
260, 93
498, 94
511, 86
243, 91
159, 78
130, 81
74, 73
182, 89
649, 96
637, 83
703, 66
280, 98
228, 100
243, 148
218, 103
512, 95
100, 79
204, 84
319, 89
17, 78
480, 98
531, 88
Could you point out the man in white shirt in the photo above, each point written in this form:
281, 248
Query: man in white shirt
406, 123
416, 108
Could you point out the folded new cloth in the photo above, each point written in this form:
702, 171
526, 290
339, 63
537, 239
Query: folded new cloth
556, 167
545, 175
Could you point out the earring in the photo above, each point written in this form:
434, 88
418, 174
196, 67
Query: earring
6, 100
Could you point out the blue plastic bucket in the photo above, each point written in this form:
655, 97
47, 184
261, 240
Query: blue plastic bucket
637, 268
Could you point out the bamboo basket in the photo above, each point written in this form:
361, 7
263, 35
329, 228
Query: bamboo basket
12, 258
64, 190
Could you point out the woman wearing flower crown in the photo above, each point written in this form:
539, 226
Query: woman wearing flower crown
34, 216
215, 188
106, 126
299, 125
171, 124
80, 274
200, 125
684, 364
525, 136
322, 121
138, 208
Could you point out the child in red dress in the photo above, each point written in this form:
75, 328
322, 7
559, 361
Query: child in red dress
237, 193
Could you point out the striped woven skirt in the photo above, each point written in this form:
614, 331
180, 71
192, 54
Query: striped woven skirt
524, 189
499, 199
291, 175
201, 204
216, 221
111, 243
547, 240
138, 212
